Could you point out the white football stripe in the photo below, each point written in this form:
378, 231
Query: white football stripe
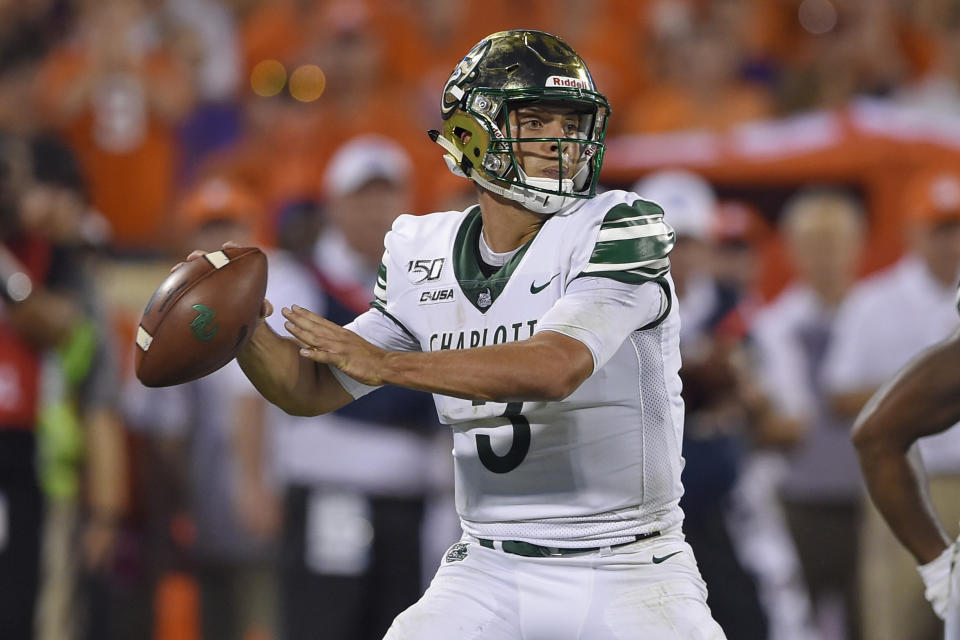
629, 233
144, 339
651, 217
217, 258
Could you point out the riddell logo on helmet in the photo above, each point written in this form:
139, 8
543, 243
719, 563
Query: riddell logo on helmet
564, 81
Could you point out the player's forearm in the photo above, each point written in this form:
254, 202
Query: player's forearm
296, 385
537, 371
897, 488
922, 400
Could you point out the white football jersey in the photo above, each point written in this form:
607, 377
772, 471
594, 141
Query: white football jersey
597, 467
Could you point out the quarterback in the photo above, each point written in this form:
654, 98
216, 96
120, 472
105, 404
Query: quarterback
545, 324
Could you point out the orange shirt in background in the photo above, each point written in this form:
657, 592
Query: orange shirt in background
274, 30
128, 153
663, 107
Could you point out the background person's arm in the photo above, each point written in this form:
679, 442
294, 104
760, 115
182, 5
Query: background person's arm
922, 400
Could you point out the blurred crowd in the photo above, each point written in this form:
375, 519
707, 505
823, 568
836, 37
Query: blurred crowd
805, 151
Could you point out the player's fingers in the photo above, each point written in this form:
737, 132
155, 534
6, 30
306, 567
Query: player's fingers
196, 253
176, 266
308, 319
231, 244
266, 309
303, 336
319, 355
310, 338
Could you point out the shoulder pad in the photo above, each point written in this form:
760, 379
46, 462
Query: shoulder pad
633, 244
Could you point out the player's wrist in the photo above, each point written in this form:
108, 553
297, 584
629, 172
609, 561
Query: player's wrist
936, 579
391, 368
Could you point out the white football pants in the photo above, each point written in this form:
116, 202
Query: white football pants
608, 594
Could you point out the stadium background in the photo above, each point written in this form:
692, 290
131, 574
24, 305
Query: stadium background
762, 97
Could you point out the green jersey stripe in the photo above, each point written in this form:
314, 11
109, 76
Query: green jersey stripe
632, 250
629, 276
622, 211
380, 288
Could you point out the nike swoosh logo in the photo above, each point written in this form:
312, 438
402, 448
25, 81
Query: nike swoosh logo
535, 289
658, 560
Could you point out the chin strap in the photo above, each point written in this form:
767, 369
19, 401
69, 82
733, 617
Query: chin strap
546, 203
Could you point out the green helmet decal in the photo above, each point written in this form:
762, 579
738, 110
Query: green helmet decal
502, 72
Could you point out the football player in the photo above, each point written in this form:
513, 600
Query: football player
545, 323
922, 400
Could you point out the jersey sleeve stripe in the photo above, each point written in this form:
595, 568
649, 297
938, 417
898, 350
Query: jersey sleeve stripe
625, 211
655, 264
631, 222
632, 276
629, 232
380, 288
632, 250
633, 244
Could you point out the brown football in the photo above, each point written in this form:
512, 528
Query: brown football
200, 316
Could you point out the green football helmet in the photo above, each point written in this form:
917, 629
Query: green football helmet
511, 69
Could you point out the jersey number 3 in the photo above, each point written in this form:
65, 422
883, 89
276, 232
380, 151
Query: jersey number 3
518, 448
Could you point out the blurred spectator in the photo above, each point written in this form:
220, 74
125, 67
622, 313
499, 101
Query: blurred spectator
849, 48
754, 518
886, 320
340, 85
207, 431
59, 396
936, 91
116, 92
715, 422
696, 79
28, 30
824, 232
358, 479
204, 34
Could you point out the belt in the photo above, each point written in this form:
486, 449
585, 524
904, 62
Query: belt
528, 550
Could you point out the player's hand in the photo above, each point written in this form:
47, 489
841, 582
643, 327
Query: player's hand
936, 576
199, 253
266, 310
326, 342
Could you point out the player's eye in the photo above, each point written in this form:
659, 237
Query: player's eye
531, 123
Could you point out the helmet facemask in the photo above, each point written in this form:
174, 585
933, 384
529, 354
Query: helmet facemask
491, 151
